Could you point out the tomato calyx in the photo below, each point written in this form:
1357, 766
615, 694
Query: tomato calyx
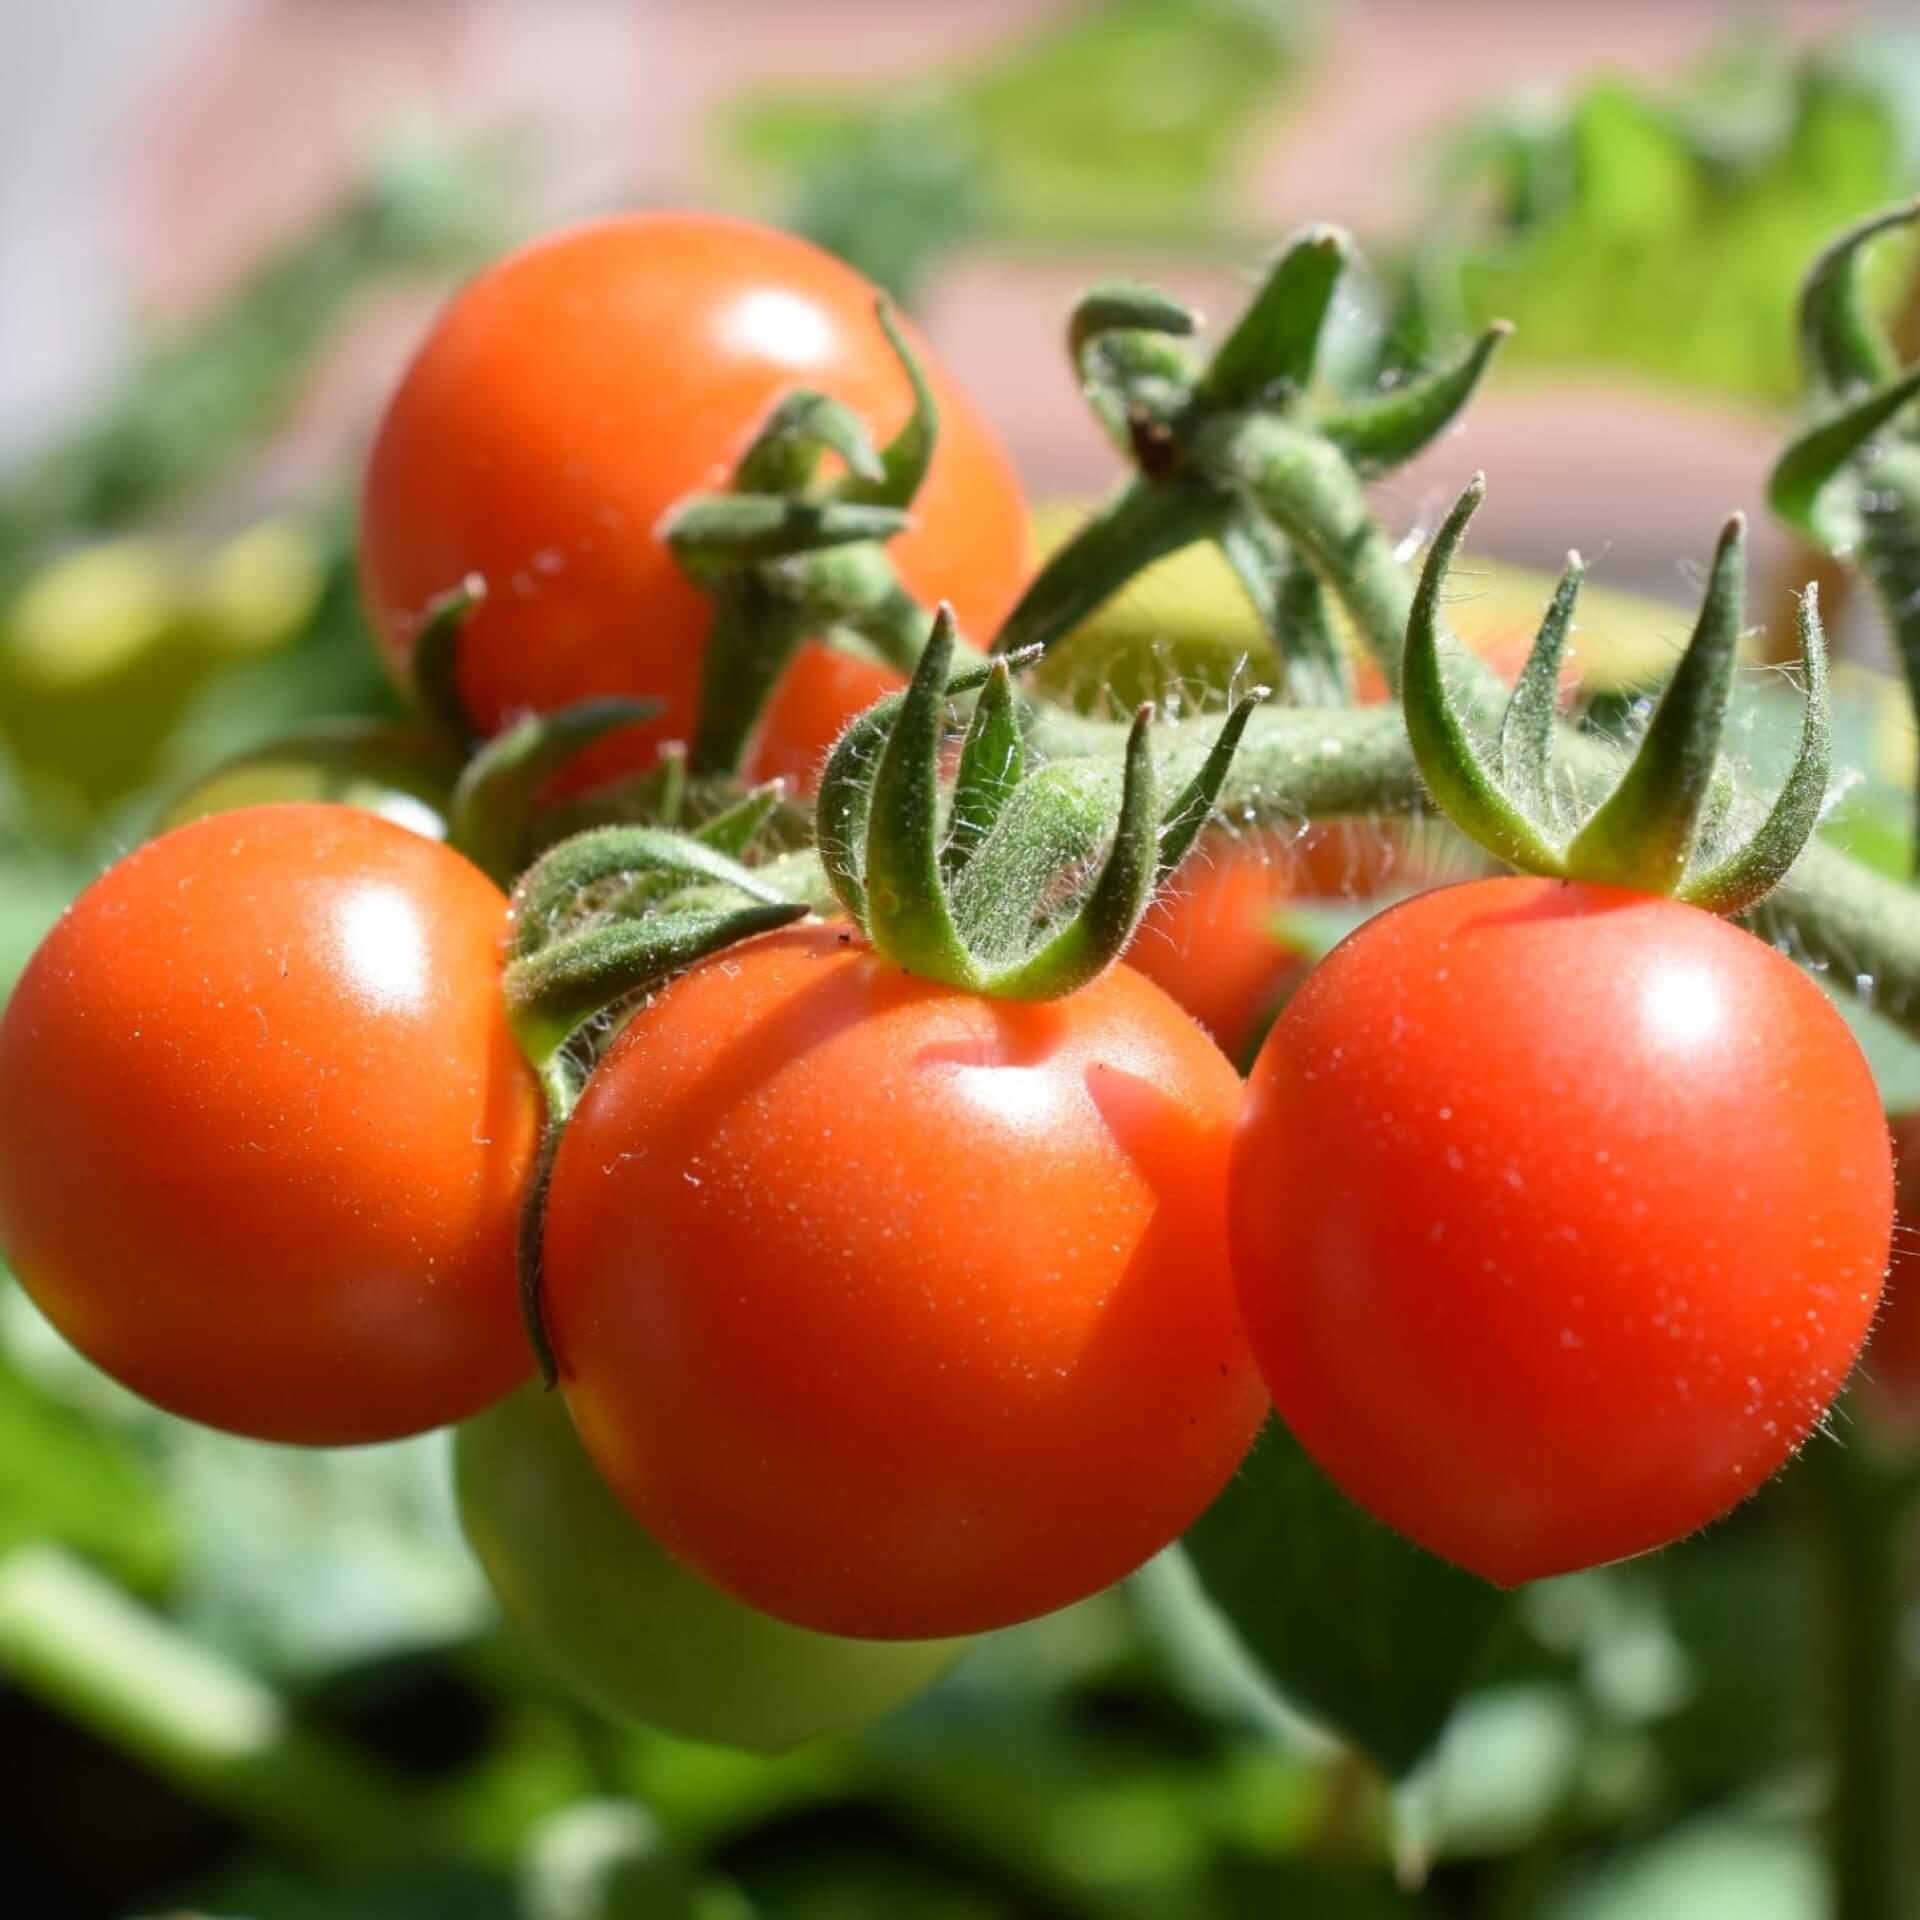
1020, 884
786, 556
1224, 452
1667, 826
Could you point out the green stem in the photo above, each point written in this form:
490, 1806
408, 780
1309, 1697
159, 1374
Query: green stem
1890, 555
75, 1641
1858, 1508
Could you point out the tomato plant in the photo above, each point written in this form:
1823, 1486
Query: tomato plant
574, 393
1559, 1215
896, 1311
628, 1627
264, 1132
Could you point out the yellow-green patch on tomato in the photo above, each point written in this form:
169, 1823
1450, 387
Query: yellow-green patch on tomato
631, 1630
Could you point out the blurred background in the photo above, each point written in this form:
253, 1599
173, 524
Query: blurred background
256, 1685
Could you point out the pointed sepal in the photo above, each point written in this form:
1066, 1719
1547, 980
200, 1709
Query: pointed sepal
1526, 733
1844, 350
1644, 833
1808, 486
713, 535
1269, 357
785, 454
435, 664
1388, 429
992, 761
904, 461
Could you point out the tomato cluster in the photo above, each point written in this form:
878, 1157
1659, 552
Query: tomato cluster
885, 1312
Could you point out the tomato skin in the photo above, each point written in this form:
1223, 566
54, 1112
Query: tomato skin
818, 694
398, 772
1559, 1216
1891, 1371
628, 1628
264, 1132
1207, 940
572, 394
895, 1311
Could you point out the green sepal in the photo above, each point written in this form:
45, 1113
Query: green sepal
908, 914
1843, 347
846, 785
555, 991
1643, 834
1287, 595
992, 761
1450, 764
1123, 341
732, 829
494, 797
436, 660
1389, 428
1526, 732
1194, 805
713, 535
785, 453
559, 879
561, 1082
1743, 878
1801, 488
1142, 523
904, 461
1269, 357
1099, 932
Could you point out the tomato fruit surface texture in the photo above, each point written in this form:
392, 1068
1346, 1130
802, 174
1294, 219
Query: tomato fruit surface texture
628, 1628
264, 1132
897, 1311
571, 395
1559, 1216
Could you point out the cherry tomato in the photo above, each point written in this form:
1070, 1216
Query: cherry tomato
1209, 941
396, 771
264, 1132
1559, 1216
574, 393
628, 1628
896, 1311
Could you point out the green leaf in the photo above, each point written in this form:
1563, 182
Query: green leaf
1353, 1624
66, 1480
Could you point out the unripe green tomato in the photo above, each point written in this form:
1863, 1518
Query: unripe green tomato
633, 1632
402, 773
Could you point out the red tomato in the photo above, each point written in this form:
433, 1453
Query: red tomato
264, 1132
1208, 940
1559, 1215
819, 693
574, 393
895, 1311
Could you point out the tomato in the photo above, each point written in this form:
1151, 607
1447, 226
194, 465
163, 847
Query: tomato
628, 1628
574, 393
819, 693
896, 1311
399, 772
1559, 1215
264, 1132
1208, 940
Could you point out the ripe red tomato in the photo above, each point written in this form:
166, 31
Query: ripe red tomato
572, 394
264, 1132
628, 1628
896, 1311
1559, 1215
1208, 940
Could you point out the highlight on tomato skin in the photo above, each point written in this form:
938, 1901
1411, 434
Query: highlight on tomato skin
895, 1311
628, 1629
1559, 1218
574, 393
264, 1132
